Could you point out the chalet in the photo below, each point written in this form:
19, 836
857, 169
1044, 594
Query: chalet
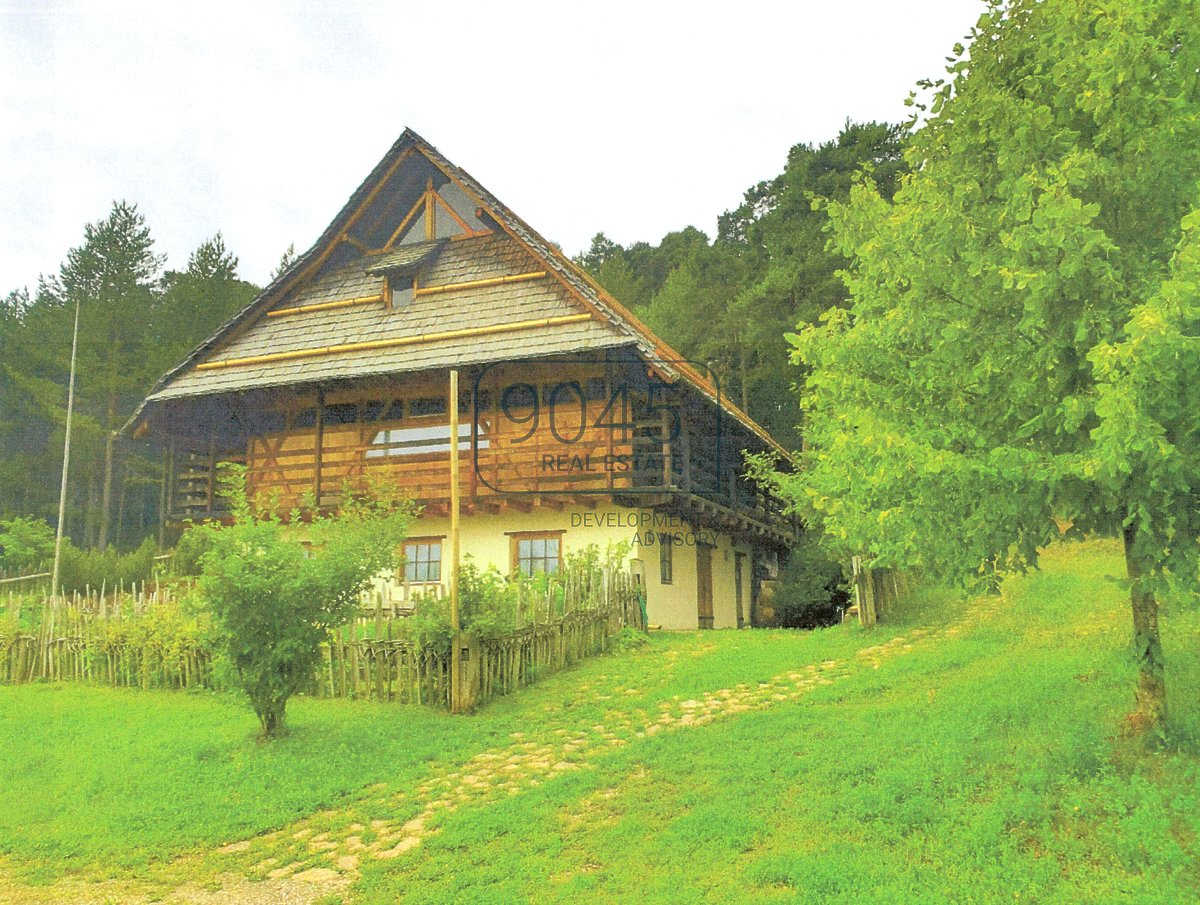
577, 425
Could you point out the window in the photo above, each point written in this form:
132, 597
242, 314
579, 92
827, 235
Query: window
537, 552
423, 559
666, 558
415, 441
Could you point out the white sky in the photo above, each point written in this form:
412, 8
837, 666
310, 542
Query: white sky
260, 118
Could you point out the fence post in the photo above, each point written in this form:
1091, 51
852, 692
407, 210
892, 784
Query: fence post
464, 683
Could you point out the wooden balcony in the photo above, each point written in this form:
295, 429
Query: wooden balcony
318, 448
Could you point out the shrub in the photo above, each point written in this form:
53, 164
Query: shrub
96, 569
26, 545
162, 636
192, 546
491, 604
812, 587
274, 599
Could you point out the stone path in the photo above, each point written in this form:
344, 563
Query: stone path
308, 851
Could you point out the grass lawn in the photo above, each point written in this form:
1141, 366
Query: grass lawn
983, 767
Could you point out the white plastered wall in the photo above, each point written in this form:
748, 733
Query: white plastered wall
486, 538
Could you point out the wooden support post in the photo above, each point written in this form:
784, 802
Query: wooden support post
212, 471
465, 661
318, 457
162, 499
458, 704
170, 482
686, 453
666, 449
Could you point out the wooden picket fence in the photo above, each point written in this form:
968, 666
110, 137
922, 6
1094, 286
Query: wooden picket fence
876, 591
102, 640
365, 660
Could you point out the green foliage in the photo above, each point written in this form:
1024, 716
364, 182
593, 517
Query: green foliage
163, 635
26, 545
134, 324
491, 604
629, 639
1147, 443
1020, 347
812, 586
110, 569
204, 296
960, 403
729, 303
188, 552
274, 599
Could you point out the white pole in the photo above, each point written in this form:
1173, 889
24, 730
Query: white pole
62, 493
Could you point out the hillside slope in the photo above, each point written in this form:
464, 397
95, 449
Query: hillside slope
968, 752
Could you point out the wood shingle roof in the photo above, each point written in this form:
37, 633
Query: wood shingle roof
378, 294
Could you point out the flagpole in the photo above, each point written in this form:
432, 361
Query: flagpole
62, 493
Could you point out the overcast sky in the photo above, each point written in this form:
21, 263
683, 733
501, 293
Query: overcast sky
259, 119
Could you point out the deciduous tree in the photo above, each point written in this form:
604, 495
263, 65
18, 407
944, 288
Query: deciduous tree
276, 590
1021, 341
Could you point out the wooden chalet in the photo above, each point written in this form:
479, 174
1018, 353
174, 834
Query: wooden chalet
577, 425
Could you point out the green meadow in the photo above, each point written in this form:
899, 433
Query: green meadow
985, 765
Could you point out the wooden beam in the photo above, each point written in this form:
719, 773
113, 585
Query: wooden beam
466, 228
350, 240
420, 205
326, 306
479, 284
454, 501
430, 212
391, 343
321, 443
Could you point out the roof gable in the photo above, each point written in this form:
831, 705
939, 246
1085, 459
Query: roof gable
419, 227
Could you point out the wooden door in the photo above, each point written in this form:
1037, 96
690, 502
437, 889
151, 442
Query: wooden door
704, 585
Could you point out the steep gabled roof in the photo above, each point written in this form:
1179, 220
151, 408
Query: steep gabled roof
564, 313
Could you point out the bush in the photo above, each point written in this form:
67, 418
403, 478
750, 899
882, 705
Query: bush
110, 569
274, 601
491, 604
812, 587
162, 636
192, 546
26, 545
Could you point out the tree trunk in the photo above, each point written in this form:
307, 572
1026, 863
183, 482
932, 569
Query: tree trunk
89, 518
106, 493
745, 387
271, 720
119, 527
1150, 697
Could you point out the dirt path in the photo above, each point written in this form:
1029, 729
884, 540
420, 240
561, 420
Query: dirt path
322, 853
